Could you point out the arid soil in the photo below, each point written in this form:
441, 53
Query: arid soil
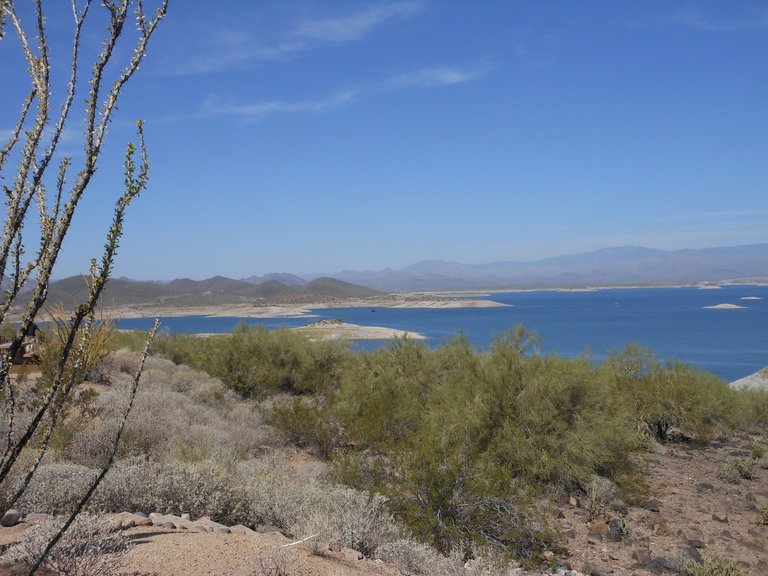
689, 512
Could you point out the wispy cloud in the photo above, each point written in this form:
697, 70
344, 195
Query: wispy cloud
350, 27
260, 110
693, 17
438, 76
423, 78
227, 47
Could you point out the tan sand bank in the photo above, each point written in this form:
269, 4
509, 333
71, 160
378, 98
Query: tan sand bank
338, 330
750, 298
726, 307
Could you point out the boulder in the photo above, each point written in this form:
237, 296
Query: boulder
10, 518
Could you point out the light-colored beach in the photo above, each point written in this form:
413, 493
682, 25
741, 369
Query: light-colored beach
725, 307
338, 330
300, 310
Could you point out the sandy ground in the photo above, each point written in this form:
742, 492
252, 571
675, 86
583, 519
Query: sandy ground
725, 307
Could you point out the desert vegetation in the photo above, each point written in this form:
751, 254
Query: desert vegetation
439, 452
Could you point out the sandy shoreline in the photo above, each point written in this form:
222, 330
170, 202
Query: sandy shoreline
299, 310
336, 330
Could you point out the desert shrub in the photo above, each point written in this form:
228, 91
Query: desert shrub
736, 469
412, 557
601, 493
198, 489
672, 395
56, 488
762, 515
352, 518
303, 422
133, 340
258, 362
90, 547
276, 563
751, 411
713, 566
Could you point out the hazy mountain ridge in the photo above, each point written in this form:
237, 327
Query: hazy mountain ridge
619, 266
217, 290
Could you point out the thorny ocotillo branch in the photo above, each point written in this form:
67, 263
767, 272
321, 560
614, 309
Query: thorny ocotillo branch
25, 161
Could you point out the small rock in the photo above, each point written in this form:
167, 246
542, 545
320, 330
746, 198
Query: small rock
140, 514
185, 517
720, 518
10, 518
351, 554
661, 529
222, 530
548, 555
696, 543
651, 505
704, 487
169, 525
240, 529
573, 501
642, 556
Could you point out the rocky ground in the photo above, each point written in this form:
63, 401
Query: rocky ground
691, 511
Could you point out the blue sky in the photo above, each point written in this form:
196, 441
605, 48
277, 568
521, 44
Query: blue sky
319, 136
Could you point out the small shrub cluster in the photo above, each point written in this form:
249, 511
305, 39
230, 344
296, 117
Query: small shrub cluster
762, 515
713, 566
736, 469
349, 517
418, 559
257, 362
90, 547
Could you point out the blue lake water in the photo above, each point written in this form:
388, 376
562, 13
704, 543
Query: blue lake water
670, 321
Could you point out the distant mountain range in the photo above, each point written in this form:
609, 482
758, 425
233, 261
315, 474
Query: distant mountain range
622, 266
218, 290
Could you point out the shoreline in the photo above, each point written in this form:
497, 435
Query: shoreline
295, 311
336, 330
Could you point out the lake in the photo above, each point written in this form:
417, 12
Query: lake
672, 322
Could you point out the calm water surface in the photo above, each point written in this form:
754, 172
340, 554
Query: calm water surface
670, 321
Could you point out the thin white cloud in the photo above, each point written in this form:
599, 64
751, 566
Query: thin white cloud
423, 78
693, 17
260, 110
227, 47
350, 27
438, 76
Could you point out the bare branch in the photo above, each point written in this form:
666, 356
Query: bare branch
113, 452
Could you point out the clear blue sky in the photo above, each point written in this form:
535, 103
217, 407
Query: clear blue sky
317, 136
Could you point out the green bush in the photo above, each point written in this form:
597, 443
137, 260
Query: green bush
736, 469
714, 566
672, 395
257, 362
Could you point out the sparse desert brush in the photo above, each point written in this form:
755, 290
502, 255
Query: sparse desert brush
56, 488
353, 518
713, 566
735, 469
258, 362
762, 515
412, 557
90, 547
